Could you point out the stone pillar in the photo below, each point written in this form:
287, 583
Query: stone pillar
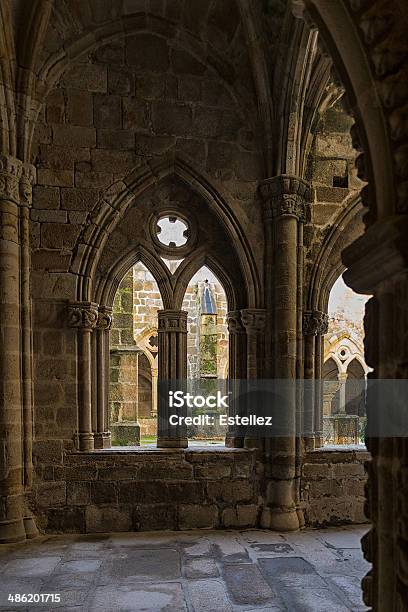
83, 316
286, 200
102, 435
154, 392
236, 372
254, 320
11, 425
342, 376
315, 325
172, 368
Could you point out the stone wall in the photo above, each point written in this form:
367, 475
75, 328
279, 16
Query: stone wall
332, 488
137, 491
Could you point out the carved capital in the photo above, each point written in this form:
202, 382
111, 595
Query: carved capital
315, 323
104, 321
83, 315
253, 319
286, 195
172, 321
10, 173
234, 322
27, 180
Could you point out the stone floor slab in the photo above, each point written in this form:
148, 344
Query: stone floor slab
208, 596
143, 564
246, 585
158, 597
200, 568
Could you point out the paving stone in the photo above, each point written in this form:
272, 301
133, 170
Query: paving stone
32, 567
312, 600
200, 568
290, 571
160, 564
140, 597
247, 585
280, 549
342, 538
198, 549
208, 596
83, 566
351, 587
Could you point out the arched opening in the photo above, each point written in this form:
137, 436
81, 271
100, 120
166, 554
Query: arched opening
133, 359
344, 369
206, 303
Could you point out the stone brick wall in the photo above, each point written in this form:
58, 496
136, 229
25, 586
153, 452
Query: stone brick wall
332, 157
332, 488
137, 491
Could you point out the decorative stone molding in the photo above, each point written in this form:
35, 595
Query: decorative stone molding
172, 321
83, 315
253, 319
315, 323
10, 173
234, 322
27, 180
104, 321
286, 195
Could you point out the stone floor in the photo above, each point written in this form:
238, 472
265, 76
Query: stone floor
197, 571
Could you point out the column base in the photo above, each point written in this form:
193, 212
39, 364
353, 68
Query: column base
12, 531
280, 520
103, 440
85, 441
309, 443
172, 443
232, 441
30, 528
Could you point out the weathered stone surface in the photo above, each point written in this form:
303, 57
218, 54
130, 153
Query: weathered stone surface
200, 568
191, 516
208, 596
74, 136
100, 519
246, 585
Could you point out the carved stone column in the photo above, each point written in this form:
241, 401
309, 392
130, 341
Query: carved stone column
254, 320
83, 316
11, 425
315, 325
236, 372
102, 435
286, 200
172, 367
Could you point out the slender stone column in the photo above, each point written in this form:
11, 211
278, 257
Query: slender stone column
11, 424
83, 316
286, 200
172, 368
315, 325
254, 320
102, 435
342, 376
236, 372
154, 392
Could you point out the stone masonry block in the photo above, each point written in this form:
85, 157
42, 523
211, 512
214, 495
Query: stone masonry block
192, 516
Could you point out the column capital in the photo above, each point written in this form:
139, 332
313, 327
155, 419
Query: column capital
315, 323
83, 315
10, 174
16, 180
172, 321
253, 319
28, 177
234, 322
104, 320
286, 195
